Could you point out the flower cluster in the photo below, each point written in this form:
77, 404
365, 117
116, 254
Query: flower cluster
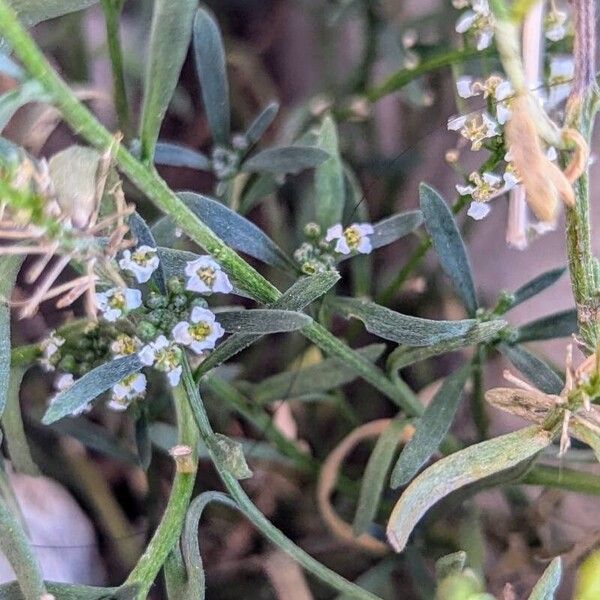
319, 254
156, 326
476, 22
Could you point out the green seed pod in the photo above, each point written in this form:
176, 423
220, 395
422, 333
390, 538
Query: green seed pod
175, 285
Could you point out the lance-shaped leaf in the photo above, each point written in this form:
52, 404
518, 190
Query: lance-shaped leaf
9, 268
174, 155
557, 325
286, 159
32, 12
261, 321
169, 40
431, 428
458, 470
329, 178
448, 245
403, 356
547, 585
13, 100
90, 386
236, 231
142, 233
326, 375
212, 73
302, 293
536, 370
376, 473
68, 591
396, 327
536, 286
261, 123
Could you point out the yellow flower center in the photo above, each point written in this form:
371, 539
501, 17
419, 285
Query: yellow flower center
352, 236
166, 359
199, 331
125, 344
207, 275
117, 300
141, 258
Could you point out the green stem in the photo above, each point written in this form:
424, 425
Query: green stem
258, 519
169, 529
112, 11
15, 546
566, 479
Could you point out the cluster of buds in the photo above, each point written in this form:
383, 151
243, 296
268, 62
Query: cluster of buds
319, 254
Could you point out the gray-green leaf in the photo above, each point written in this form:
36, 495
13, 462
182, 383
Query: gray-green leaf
457, 470
212, 73
11, 101
90, 386
375, 475
286, 159
448, 245
536, 286
329, 178
396, 327
236, 231
169, 40
261, 321
32, 12
261, 123
536, 370
557, 325
431, 429
546, 587
174, 155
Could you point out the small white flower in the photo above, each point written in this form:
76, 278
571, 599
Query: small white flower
50, 349
354, 238
128, 389
478, 210
142, 262
562, 69
124, 345
503, 94
474, 127
116, 302
163, 356
479, 22
200, 333
205, 276
554, 25
464, 87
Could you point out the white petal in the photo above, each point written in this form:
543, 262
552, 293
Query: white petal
222, 283
138, 385
465, 190
174, 376
147, 355
484, 39
551, 153
478, 210
202, 314
456, 123
117, 404
510, 180
195, 284
133, 298
334, 232
502, 113
491, 179
64, 382
160, 342
341, 246
464, 87
112, 314
503, 91
465, 21
364, 246
365, 228
101, 300
181, 333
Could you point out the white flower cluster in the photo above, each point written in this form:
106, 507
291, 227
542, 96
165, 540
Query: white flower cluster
478, 21
354, 238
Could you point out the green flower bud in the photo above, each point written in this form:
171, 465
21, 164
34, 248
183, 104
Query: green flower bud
175, 285
197, 301
68, 364
179, 301
155, 300
312, 231
156, 316
146, 331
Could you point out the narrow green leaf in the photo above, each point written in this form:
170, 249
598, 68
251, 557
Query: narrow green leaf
396, 327
457, 470
212, 74
484, 332
259, 188
95, 437
32, 12
297, 297
431, 428
12, 424
169, 40
536, 370
286, 159
140, 230
536, 286
261, 123
174, 155
448, 245
68, 591
261, 321
142, 441
329, 178
13, 100
236, 231
9, 268
557, 325
326, 375
395, 227
547, 586
90, 386
376, 474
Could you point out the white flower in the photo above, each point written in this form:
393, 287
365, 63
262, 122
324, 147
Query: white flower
495, 87
479, 22
128, 389
562, 69
164, 356
554, 25
116, 302
200, 333
142, 262
474, 127
503, 95
484, 188
124, 345
478, 210
205, 276
354, 238
50, 350
464, 87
